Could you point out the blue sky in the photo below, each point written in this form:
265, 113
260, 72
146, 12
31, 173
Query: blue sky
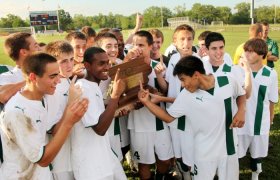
94, 7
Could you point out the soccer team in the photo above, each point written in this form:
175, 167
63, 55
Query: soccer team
59, 122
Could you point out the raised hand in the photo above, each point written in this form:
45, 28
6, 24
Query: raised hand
78, 70
76, 110
243, 62
75, 91
202, 52
133, 53
139, 21
143, 95
118, 86
159, 68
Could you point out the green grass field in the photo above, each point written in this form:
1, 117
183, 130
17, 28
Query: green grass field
234, 36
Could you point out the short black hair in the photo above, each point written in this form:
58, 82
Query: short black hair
36, 63
212, 37
188, 65
90, 52
145, 34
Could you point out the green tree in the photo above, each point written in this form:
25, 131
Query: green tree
224, 14
79, 21
12, 21
152, 17
201, 13
180, 11
65, 20
265, 13
242, 16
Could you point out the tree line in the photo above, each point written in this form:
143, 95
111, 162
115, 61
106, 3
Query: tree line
154, 15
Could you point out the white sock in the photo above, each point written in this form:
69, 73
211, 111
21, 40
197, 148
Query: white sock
255, 176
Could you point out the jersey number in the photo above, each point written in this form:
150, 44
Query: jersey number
136, 155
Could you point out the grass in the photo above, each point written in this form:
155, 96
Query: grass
234, 35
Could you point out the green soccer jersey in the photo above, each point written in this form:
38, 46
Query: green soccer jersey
273, 48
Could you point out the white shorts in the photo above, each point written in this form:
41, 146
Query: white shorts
182, 142
115, 144
117, 173
174, 132
257, 145
187, 144
144, 146
227, 168
125, 139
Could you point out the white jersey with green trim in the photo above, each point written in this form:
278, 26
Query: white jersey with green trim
114, 128
13, 76
264, 91
210, 117
57, 102
5, 68
92, 157
56, 106
23, 134
235, 71
142, 120
174, 88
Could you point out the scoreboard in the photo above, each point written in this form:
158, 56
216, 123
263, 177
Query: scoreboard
43, 18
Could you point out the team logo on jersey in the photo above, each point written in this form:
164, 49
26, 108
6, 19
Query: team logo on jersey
97, 95
199, 98
38, 121
22, 109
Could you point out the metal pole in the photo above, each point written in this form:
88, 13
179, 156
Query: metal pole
161, 17
58, 23
275, 12
252, 12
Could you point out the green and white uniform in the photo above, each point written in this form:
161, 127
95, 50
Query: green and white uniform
114, 130
273, 48
213, 140
23, 134
255, 133
180, 129
149, 135
62, 166
8, 75
92, 156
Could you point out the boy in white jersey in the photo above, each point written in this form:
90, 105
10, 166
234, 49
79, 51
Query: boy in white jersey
109, 43
18, 46
213, 141
92, 156
149, 136
24, 122
260, 106
179, 129
202, 50
63, 52
79, 43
